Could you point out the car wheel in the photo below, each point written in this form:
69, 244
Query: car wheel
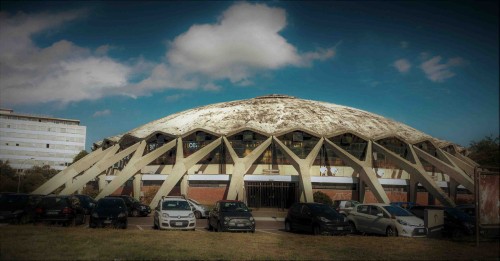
155, 226
197, 214
456, 234
124, 226
288, 226
24, 219
135, 213
92, 225
219, 227
391, 232
210, 228
316, 230
353, 228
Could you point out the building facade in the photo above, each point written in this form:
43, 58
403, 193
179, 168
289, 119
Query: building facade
29, 140
272, 151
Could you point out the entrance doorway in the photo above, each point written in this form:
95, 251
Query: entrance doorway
271, 194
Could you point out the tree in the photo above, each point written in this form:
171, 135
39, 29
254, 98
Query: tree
321, 197
485, 152
79, 156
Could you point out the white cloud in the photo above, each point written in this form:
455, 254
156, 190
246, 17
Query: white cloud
245, 41
62, 72
102, 113
402, 65
439, 72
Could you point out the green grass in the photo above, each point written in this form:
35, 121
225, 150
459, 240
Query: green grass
59, 243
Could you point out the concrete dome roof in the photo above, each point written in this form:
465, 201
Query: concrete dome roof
279, 114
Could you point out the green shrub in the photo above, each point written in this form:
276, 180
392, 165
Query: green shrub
321, 197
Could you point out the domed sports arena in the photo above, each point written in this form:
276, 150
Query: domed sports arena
272, 151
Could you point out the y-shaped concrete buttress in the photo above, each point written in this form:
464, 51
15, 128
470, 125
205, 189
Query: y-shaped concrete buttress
241, 166
136, 163
70, 172
99, 168
181, 166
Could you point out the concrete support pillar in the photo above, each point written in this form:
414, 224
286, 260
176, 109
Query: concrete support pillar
303, 166
101, 166
137, 184
181, 166
70, 172
365, 170
184, 185
135, 164
417, 172
452, 189
412, 190
361, 191
102, 182
241, 166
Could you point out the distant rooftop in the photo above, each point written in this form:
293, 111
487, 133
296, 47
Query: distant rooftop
10, 113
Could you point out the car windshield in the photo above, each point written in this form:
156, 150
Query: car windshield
110, 203
55, 202
175, 205
323, 210
234, 206
14, 201
397, 211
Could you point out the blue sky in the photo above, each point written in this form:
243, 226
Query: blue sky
432, 65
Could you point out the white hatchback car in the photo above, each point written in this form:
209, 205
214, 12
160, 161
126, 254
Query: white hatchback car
174, 213
386, 220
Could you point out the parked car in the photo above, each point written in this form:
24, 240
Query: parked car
316, 218
345, 206
88, 203
174, 213
66, 210
200, 211
386, 220
231, 215
404, 204
456, 222
135, 208
109, 211
18, 208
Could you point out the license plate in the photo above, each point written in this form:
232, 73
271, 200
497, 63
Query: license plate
421, 230
178, 224
340, 228
107, 221
240, 225
52, 212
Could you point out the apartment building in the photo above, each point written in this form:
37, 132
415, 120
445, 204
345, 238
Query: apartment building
31, 140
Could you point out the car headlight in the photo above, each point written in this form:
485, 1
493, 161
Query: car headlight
123, 214
323, 219
403, 222
164, 215
95, 215
251, 218
191, 215
226, 218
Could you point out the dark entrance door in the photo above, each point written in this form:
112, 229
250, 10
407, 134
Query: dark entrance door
271, 194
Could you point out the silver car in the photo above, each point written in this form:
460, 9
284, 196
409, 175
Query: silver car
199, 210
386, 220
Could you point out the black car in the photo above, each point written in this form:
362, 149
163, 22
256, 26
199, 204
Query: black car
231, 215
456, 222
109, 211
66, 210
135, 208
88, 203
18, 208
316, 218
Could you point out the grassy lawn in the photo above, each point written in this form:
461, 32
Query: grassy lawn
56, 243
